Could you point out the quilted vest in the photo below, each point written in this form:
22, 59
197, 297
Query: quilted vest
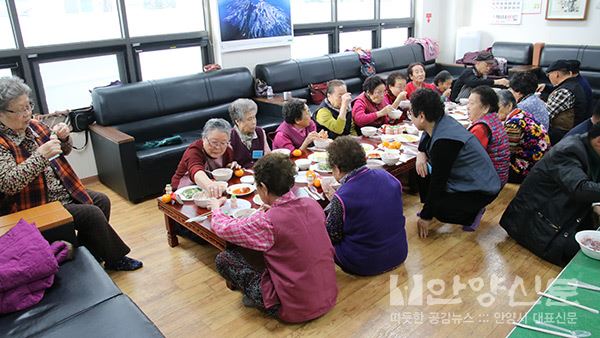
498, 146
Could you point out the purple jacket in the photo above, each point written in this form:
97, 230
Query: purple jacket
27, 266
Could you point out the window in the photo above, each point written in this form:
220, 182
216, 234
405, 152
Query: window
393, 37
355, 10
7, 41
311, 11
392, 9
46, 22
181, 61
153, 17
362, 39
5, 72
67, 83
306, 46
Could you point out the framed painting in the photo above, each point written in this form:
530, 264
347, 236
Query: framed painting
566, 9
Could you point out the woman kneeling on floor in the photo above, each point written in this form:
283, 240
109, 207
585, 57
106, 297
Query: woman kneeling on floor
298, 283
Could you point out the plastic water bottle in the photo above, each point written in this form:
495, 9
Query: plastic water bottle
269, 92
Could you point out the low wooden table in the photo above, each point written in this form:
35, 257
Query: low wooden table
176, 214
45, 217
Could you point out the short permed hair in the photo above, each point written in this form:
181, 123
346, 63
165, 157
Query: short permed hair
428, 102
276, 171
488, 97
346, 154
524, 83
409, 71
292, 110
333, 84
393, 77
442, 77
505, 97
238, 108
371, 83
11, 87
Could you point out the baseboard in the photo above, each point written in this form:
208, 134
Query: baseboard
89, 180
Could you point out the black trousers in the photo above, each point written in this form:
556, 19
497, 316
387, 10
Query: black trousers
456, 208
93, 230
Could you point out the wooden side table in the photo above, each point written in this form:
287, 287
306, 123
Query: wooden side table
45, 217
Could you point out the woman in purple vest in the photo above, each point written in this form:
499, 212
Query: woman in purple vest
248, 141
489, 130
298, 130
365, 220
298, 283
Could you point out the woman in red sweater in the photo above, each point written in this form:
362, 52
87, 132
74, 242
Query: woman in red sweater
369, 108
416, 73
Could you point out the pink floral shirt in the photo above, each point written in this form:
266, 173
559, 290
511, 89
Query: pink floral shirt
254, 232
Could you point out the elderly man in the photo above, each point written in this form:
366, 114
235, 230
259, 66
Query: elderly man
333, 112
555, 200
34, 171
567, 104
476, 76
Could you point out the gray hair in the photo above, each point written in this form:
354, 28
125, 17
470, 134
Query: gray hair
239, 107
505, 97
11, 87
218, 125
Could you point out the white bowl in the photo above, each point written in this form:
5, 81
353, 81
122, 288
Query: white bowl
247, 179
368, 131
404, 104
284, 151
390, 158
395, 114
222, 174
201, 199
303, 163
463, 102
582, 236
243, 213
388, 138
375, 164
322, 143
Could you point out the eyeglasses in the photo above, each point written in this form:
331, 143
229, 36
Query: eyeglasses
216, 144
29, 109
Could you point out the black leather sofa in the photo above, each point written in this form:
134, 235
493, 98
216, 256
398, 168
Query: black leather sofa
515, 53
132, 114
83, 302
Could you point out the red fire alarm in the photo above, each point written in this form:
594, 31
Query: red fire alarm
428, 16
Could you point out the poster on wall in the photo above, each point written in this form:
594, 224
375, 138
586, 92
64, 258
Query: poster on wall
566, 9
249, 24
532, 6
506, 12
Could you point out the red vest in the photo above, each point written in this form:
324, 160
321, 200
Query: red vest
300, 271
498, 146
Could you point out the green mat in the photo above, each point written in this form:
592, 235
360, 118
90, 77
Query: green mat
584, 269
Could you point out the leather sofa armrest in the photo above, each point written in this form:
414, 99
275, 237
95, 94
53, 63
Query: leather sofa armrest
112, 134
537, 53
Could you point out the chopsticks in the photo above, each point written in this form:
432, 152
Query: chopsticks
583, 285
539, 329
558, 299
199, 218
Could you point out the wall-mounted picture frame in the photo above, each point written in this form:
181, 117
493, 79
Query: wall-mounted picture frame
566, 9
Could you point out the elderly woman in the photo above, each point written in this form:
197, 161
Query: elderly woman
298, 283
332, 115
456, 176
523, 86
298, 130
248, 141
443, 84
34, 171
528, 140
395, 89
416, 74
369, 108
487, 127
368, 233
210, 152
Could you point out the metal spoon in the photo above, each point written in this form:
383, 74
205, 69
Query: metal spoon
577, 333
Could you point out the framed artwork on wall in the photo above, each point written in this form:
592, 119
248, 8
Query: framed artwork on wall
566, 9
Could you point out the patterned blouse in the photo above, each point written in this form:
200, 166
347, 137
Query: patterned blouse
528, 140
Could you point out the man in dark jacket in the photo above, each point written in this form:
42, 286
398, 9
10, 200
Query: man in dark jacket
555, 200
474, 77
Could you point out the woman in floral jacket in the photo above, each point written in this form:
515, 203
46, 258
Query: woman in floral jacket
528, 139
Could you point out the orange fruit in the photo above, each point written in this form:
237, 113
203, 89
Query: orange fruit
239, 172
297, 152
395, 145
317, 182
311, 173
385, 144
166, 198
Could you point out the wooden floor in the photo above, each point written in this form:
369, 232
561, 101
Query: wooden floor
180, 290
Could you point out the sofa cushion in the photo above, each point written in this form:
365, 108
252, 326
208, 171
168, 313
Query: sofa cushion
116, 317
516, 53
345, 65
282, 76
551, 53
315, 70
149, 158
405, 55
78, 285
113, 105
590, 58
382, 59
